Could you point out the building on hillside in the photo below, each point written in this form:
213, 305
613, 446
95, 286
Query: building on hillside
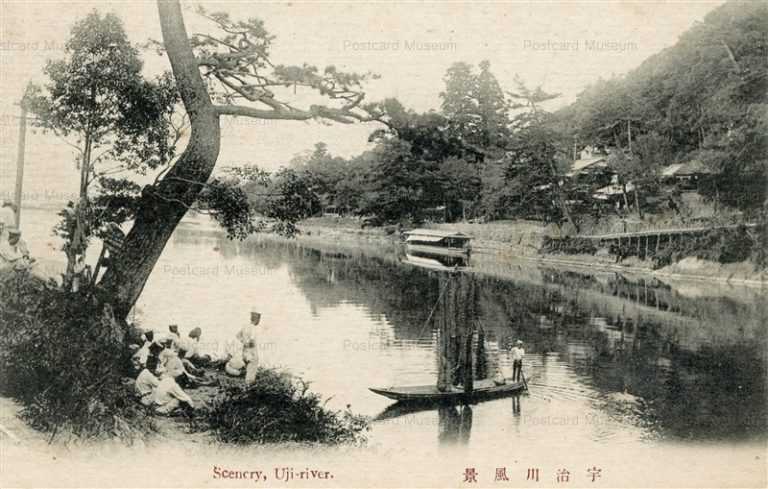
591, 170
591, 161
331, 211
613, 192
596, 183
686, 176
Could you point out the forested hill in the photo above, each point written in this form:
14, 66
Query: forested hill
704, 98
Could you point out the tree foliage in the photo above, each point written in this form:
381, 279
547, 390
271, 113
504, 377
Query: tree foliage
702, 99
97, 100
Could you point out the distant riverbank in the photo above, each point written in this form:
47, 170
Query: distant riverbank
522, 240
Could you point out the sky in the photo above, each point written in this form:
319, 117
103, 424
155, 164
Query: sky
562, 46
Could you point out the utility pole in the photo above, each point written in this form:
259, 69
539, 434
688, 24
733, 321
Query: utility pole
574, 148
20, 160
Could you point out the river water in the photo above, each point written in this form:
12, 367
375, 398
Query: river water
609, 359
613, 362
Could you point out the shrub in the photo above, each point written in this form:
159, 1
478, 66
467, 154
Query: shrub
278, 407
568, 246
63, 357
718, 245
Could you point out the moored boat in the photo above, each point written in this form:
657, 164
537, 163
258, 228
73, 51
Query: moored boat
434, 241
436, 261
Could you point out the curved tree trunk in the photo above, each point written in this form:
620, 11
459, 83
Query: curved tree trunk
164, 205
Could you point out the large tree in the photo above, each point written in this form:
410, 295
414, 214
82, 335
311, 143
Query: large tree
475, 108
230, 74
530, 164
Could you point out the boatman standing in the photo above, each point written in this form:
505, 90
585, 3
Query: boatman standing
247, 337
517, 360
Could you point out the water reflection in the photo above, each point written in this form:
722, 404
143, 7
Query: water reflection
435, 261
455, 425
618, 358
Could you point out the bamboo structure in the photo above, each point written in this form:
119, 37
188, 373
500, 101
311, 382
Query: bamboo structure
455, 317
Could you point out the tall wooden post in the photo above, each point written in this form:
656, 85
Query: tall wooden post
575, 157
646, 248
444, 371
20, 150
468, 363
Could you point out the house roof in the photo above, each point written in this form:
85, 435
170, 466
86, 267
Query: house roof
434, 233
582, 164
611, 190
689, 168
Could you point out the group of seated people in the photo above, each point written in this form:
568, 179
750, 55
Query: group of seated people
166, 366
170, 363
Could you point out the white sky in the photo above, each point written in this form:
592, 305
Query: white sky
323, 33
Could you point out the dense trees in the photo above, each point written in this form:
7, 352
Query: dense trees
495, 154
704, 98
486, 153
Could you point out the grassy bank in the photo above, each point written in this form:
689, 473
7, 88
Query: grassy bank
524, 237
507, 241
66, 361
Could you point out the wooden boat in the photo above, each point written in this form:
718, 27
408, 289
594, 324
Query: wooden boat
436, 262
483, 389
438, 242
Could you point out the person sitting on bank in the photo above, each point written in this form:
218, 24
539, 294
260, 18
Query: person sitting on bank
7, 218
173, 334
14, 252
189, 368
147, 382
171, 361
191, 344
169, 395
498, 377
518, 353
143, 353
166, 353
235, 366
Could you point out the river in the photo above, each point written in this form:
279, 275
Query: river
614, 363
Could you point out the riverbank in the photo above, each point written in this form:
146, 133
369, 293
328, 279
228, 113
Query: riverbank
522, 240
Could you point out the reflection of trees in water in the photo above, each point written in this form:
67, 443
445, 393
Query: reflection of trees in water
698, 377
727, 386
387, 289
454, 424
654, 295
400, 295
266, 253
716, 392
